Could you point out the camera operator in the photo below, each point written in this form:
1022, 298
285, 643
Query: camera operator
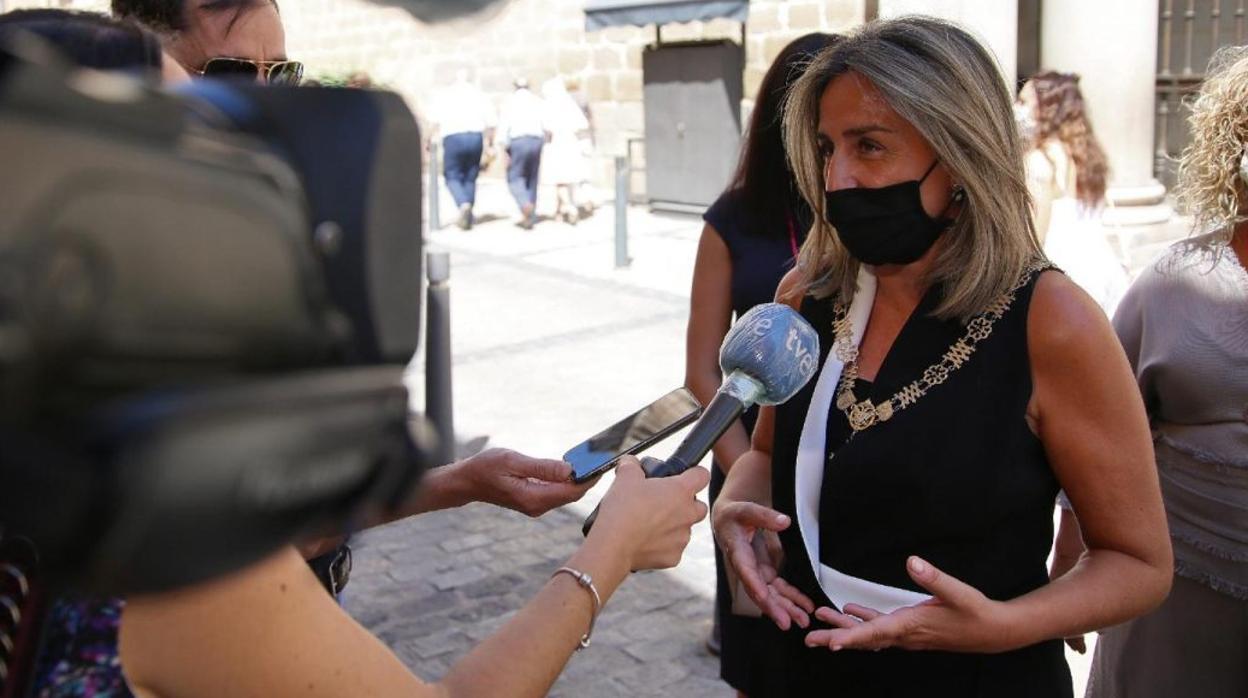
87, 656
245, 38
271, 631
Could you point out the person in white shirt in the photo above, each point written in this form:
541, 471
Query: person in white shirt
464, 117
522, 131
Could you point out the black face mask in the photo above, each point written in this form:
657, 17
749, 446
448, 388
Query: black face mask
886, 225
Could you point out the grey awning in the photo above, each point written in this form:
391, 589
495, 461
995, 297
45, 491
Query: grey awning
600, 14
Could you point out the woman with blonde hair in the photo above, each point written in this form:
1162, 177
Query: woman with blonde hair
963, 383
1184, 324
1067, 173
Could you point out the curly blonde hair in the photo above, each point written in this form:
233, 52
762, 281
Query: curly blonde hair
1210, 188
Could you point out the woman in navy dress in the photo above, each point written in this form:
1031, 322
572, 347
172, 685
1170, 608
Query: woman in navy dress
750, 240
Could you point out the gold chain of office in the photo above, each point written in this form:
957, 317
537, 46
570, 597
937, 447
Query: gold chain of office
864, 414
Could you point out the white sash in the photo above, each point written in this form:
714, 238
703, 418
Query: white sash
841, 589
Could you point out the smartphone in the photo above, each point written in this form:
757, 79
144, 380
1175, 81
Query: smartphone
633, 434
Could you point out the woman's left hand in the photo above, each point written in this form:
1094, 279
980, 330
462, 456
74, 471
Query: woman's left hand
958, 618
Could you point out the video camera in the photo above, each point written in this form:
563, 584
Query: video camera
206, 303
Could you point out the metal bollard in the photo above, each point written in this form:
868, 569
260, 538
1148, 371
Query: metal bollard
435, 168
438, 402
622, 173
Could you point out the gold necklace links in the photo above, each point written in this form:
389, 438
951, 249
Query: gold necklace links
864, 414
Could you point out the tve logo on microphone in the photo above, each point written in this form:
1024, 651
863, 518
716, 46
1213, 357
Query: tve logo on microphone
775, 346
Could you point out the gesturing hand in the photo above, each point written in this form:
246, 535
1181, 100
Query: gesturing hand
531, 486
957, 618
746, 533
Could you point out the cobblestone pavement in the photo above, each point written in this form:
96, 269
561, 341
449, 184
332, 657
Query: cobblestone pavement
433, 586
551, 343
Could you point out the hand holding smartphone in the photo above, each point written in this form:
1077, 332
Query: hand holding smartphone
633, 434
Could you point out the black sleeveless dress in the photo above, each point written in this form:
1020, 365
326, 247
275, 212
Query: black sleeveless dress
957, 478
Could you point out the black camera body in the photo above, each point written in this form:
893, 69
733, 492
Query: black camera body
206, 303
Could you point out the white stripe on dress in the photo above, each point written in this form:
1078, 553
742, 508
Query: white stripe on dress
840, 588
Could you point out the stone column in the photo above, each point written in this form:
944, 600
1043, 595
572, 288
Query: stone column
1112, 44
995, 22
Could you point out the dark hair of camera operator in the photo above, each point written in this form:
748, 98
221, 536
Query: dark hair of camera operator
230, 38
89, 39
273, 631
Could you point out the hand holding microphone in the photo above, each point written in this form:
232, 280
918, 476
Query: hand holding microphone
767, 357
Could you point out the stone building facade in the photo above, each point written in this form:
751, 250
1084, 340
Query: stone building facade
536, 39
539, 39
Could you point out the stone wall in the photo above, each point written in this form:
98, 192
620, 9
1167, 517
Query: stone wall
537, 39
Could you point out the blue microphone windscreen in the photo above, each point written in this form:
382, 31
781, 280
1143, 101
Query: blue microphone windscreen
776, 347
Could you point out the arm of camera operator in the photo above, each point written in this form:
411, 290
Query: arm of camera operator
272, 630
531, 486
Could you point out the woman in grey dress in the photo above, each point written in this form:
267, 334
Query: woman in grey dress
1184, 324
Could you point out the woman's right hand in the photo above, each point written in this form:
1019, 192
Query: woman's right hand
746, 533
650, 518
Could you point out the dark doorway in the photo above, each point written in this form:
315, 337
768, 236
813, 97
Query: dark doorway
1029, 14
693, 121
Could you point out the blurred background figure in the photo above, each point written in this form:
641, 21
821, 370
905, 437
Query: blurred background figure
522, 133
751, 238
464, 117
584, 191
1184, 324
1067, 173
565, 158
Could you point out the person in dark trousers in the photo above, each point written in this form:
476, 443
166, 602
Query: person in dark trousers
465, 120
522, 130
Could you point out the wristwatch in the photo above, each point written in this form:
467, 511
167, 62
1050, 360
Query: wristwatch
333, 569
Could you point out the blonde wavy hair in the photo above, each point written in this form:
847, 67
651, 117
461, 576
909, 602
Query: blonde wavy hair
948, 86
1210, 188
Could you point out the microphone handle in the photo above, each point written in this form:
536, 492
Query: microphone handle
715, 420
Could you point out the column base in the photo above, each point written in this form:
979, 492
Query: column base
1137, 205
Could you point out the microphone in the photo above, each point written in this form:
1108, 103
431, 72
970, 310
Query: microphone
768, 355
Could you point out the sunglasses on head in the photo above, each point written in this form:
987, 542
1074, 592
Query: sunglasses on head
273, 72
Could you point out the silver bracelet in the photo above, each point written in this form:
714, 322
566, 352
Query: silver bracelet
587, 582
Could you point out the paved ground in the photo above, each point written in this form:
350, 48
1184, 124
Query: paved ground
551, 344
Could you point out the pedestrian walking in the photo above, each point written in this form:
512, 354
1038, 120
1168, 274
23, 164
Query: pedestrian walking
584, 191
565, 165
464, 117
522, 132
